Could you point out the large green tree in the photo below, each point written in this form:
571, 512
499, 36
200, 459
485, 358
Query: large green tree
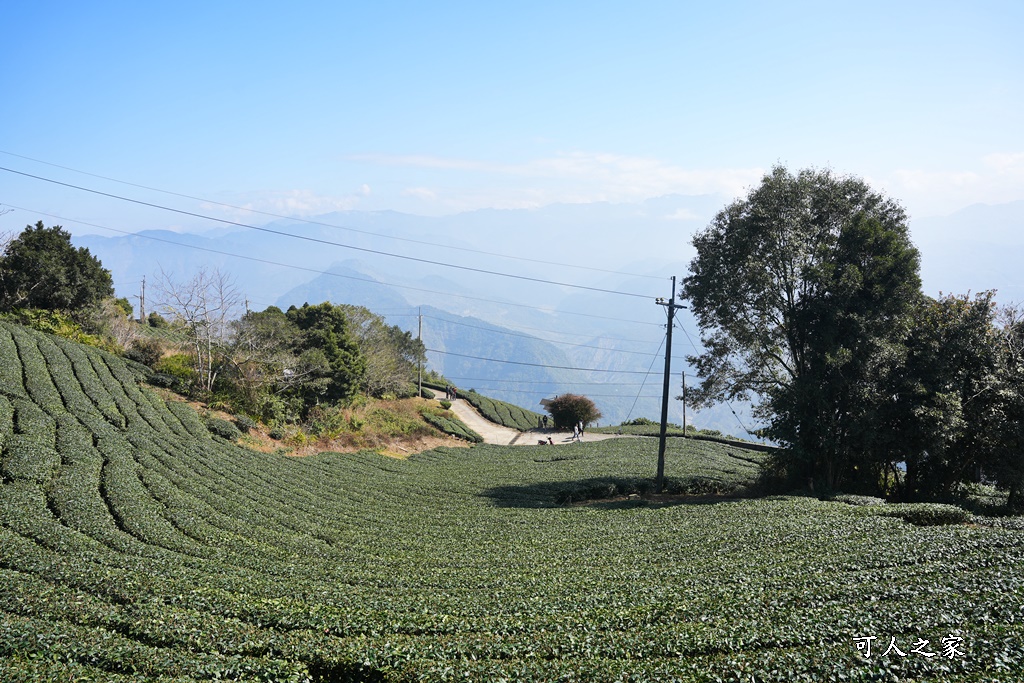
391, 354
1002, 432
41, 269
803, 291
325, 329
945, 416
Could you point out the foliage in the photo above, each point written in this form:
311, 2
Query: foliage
326, 335
145, 350
390, 354
570, 409
943, 419
180, 367
926, 514
53, 322
1003, 455
138, 548
245, 423
445, 403
156, 320
41, 269
803, 291
125, 306
223, 428
851, 499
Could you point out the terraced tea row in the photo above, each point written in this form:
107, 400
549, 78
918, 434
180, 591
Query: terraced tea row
136, 546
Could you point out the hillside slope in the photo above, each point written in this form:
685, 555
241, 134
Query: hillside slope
138, 547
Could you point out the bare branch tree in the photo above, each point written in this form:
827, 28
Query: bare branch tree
205, 306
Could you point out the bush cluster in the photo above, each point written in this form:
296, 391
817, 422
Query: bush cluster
223, 428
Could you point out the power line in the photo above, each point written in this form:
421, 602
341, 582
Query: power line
539, 365
530, 336
535, 393
545, 381
317, 240
331, 225
326, 272
653, 360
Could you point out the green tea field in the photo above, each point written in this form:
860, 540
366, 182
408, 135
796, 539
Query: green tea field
136, 546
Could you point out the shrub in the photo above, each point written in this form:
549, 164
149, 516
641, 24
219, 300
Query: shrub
57, 324
926, 514
245, 423
159, 379
850, 499
427, 393
156, 320
223, 429
178, 366
146, 351
446, 404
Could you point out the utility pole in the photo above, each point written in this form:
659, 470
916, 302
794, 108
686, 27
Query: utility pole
419, 364
671, 306
142, 301
684, 405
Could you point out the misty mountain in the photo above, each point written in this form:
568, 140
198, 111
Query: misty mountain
612, 261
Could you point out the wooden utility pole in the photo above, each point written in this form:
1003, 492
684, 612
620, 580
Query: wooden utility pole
671, 306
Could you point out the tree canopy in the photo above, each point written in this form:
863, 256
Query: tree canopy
803, 292
41, 269
570, 409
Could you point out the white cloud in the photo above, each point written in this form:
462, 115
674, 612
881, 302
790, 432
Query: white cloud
297, 203
575, 177
1004, 162
420, 193
995, 178
684, 215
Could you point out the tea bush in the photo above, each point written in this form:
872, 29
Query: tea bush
135, 547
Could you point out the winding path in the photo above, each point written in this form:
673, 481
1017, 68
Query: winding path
504, 436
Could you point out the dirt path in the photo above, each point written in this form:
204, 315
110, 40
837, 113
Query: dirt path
503, 436
491, 432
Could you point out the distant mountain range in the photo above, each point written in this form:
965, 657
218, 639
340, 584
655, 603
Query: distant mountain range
484, 308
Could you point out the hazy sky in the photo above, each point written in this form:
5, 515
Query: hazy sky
438, 107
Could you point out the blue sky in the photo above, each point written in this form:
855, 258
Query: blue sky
434, 108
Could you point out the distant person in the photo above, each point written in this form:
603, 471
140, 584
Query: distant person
545, 422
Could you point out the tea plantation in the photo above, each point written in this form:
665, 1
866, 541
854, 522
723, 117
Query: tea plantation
135, 545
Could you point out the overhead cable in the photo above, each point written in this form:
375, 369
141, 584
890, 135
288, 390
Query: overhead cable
329, 273
330, 225
317, 240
